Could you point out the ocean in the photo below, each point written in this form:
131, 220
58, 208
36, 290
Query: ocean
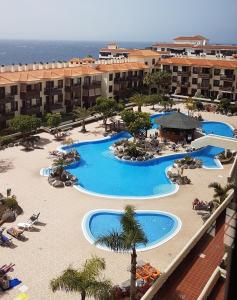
20, 51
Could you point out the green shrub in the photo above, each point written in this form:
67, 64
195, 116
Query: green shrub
4, 140
11, 202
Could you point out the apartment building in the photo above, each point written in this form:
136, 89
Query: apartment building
113, 52
211, 78
35, 92
195, 45
120, 78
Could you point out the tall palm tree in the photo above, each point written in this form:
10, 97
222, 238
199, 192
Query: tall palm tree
220, 193
126, 240
82, 113
149, 81
163, 80
139, 100
87, 281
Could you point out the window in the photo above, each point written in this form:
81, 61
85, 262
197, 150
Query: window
146, 63
174, 78
195, 70
2, 92
194, 81
111, 77
60, 98
14, 90
153, 61
217, 72
175, 68
110, 89
216, 83
60, 84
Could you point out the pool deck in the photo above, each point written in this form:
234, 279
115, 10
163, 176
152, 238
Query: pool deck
59, 240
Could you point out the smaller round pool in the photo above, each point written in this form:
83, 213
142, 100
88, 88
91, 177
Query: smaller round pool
218, 128
158, 226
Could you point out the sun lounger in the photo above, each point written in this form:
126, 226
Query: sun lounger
34, 217
26, 225
15, 232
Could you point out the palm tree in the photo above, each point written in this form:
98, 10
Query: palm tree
190, 105
127, 240
86, 281
163, 80
82, 113
139, 100
59, 164
149, 81
220, 193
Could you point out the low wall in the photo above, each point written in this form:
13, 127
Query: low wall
177, 261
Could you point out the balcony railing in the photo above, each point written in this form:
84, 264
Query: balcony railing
184, 73
183, 84
205, 75
204, 86
226, 88
228, 77
7, 98
52, 91
73, 88
31, 110
6, 115
53, 106
92, 85
35, 93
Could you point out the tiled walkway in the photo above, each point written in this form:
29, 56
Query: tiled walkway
191, 276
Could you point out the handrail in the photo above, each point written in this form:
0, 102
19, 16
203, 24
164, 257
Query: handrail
187, 248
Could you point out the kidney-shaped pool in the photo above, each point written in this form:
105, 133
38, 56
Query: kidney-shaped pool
158, 226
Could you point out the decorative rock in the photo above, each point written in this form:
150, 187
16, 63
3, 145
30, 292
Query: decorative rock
58, 184
140, 158
8, 216
68, 183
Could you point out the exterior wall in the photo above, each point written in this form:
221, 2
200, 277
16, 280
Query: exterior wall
183, 78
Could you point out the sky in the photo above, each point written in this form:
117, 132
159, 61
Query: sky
120, 20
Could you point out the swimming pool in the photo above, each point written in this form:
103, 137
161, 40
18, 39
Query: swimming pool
158, 226
100, 173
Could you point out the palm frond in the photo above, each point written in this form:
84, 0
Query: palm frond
100, 289
68, 281
94, 266
113, 240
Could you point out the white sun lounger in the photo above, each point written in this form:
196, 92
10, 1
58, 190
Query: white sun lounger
26, 225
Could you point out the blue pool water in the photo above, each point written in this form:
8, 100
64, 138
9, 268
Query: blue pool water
157, 226
99, 172
217, 128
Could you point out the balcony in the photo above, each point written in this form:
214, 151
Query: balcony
204, 86
31, 110
184, 73
183, 84
73, 88
52, 91
53, 106
35, 93
92, 85
228, 77
121, 79
205, 75
227, 88
7, 98
6, 115
73, 102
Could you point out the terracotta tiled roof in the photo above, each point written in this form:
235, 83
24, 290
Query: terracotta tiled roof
218, 47
119, 50
120, 67
50, 74
195, 37
144, 53
173, 45
200, 62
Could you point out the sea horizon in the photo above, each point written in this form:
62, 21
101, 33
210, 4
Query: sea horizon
30, 51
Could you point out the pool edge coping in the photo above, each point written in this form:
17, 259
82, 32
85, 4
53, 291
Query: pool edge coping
86, 217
